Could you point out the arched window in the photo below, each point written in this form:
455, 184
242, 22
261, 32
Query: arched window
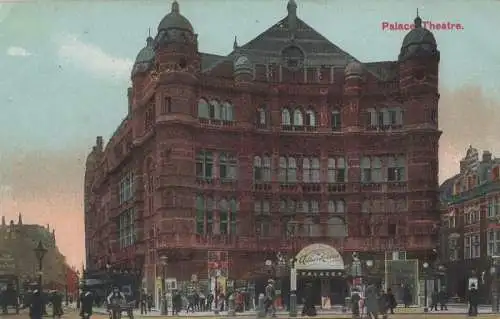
217, 115
336, 120
203, 109
310, 118
340, 206
336, 227
366, 170
227, 112
315, 170
310, 228
366, 206
223, 216
261, 116
298, 118
306, 170
266, 169
377, 169
331, 207
257, 169
285, 117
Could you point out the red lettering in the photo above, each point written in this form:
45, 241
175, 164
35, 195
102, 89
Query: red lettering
385, 25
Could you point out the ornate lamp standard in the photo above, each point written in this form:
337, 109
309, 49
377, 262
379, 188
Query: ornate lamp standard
426, 269
217, 275
495, 284
40, 252
164, 308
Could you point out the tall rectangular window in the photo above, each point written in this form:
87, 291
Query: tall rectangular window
204, 165
337, 172
227, 166
233, 216
204, 215
262, 211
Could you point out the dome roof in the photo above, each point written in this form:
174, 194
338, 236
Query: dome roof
175, 20
147, 54
354, 68
419, 40
144, 58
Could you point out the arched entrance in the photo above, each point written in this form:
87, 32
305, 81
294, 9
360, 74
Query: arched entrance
322, 266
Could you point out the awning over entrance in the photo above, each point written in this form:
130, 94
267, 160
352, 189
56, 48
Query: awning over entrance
319, 257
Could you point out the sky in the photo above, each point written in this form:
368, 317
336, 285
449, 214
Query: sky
65, 68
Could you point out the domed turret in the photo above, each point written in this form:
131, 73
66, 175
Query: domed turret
175, 20
175, 28
353, 69
419, 42
242, 69
145, 58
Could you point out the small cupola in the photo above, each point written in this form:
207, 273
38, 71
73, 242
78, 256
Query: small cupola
419, 42
145, 58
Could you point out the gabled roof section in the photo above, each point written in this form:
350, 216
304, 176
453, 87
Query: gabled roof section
318, 51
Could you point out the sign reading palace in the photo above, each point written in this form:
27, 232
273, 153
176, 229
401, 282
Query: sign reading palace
319, 257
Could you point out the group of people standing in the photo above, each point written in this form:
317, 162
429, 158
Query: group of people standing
376, 302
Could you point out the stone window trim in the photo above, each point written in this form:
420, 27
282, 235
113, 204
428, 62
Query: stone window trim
215, 110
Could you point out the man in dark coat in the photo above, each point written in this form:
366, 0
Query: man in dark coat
36, 305
407, 297
270, 298
144, 302
56, 299
355, 298
309, 309
86, 303
391, 301
372, 302
473, 301
443, 299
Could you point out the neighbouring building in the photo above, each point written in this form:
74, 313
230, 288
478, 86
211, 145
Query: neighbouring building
18, 259
470, 232
288, 141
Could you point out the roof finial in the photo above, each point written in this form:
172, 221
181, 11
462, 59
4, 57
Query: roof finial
20, 219
235, 43
175, 7
418, 21
292, 17
149, 32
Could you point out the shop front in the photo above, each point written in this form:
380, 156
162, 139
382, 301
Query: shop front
321, 266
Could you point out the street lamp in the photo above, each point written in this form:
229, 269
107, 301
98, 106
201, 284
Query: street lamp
217, 275
293, 288
164, 309
495, 284
40, 252
426, 266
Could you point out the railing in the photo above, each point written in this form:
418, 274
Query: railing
252, 243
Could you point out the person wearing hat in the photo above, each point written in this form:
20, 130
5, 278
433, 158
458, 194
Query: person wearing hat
270, 297
473, 300
56, 299
86, 303
36, 305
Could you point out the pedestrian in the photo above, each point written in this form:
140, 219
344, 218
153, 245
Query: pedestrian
383, 304
355, 298
270, 298
36, 305
86, 303
391, 301
407, 296
434, 300
443, 299
203, 302
144, 302
309, 309
473, 301
57, 310
372, 302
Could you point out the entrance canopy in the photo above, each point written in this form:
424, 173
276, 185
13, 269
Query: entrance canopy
319, 257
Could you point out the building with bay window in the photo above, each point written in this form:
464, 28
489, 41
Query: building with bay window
287, 141
470, 229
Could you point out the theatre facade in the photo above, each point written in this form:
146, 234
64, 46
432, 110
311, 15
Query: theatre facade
226, 162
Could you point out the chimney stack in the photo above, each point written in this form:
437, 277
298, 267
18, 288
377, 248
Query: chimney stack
99, 143
487, 156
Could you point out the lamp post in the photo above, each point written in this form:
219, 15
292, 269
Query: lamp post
77, 289
495, 284
293, 288
217, 275
40, 252
426, 267
164, 308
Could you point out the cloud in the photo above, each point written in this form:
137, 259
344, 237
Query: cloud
467, 117
18, 51
92, 58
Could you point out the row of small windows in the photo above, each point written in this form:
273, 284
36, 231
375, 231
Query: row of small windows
380, 169
227, 213
215, 110
227, 166
291, 119
311, 169
386, 117
263, 207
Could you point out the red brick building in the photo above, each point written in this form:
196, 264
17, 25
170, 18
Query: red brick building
471, 222
285, 142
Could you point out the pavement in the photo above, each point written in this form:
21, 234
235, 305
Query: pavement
453, 311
